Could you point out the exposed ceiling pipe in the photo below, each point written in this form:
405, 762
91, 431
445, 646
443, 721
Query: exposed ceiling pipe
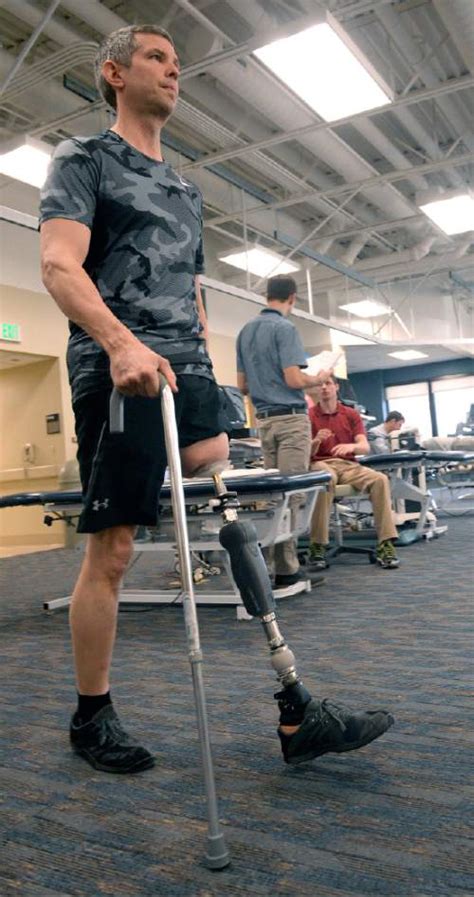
95, 14
395, 267
367, 183
29, 45
25, 12
419, 250
386, 148
45, 69
255, 86
41, 94
458, 17
395, 27
414, 253
463, 247
350, 254
324, 245
411, 99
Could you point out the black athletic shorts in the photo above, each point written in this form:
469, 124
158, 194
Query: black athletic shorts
122, 473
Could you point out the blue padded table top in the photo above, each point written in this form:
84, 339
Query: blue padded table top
392, 459
249, 484
450, 457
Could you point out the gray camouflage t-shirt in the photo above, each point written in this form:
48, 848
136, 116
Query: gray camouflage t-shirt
145, 250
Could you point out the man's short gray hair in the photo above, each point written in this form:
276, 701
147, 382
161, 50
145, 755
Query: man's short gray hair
120, 47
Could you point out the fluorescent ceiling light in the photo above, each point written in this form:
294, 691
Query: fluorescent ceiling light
408, 354
366, 308
260, 262
327, 70
26, 160
454, 215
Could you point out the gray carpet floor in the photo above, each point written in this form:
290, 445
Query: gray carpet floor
393, 819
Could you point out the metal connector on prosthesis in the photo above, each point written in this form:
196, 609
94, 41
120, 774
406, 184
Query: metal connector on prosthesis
282, 658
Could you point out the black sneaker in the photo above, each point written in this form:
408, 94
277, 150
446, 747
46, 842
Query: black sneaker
331, 727
106, 746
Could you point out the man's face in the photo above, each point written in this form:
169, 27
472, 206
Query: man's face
150, 83
326, 389
394, 425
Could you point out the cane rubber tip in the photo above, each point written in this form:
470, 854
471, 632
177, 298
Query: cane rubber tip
217, 856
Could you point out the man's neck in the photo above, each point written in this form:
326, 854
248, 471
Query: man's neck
142, 133
282, 307
329, 406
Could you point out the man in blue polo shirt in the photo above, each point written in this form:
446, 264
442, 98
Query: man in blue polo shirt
270, 356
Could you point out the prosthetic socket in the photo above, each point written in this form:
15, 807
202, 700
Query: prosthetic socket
251, 576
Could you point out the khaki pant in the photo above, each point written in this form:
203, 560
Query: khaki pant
286, 444
350, 473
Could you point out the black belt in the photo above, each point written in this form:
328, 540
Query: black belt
279, 412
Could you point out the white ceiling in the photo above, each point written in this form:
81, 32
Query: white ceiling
348, 191
372, 358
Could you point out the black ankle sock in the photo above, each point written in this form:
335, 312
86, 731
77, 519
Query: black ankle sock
89, 705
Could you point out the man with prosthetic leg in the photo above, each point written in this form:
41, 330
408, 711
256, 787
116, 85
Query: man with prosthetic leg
308, 728
121, 255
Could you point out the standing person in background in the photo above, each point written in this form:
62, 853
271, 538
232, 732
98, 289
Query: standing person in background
270, 358
379, 436
338, 436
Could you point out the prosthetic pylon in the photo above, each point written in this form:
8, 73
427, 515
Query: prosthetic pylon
251, 577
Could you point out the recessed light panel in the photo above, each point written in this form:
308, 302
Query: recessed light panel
325, 68
260, 262
454, 215
408, 354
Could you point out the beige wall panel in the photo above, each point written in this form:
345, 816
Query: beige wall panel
222, 351
44, 331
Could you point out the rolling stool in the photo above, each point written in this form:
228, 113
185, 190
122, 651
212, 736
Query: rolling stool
340, 547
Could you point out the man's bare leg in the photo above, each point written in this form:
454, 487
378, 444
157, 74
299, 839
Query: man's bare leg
204, 452
93, 613
96, 733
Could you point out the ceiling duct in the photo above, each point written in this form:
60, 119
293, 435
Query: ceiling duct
458, 17
47, 68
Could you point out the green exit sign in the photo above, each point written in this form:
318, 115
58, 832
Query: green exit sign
10, 332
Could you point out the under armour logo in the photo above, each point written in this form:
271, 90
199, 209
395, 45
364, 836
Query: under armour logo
98, 505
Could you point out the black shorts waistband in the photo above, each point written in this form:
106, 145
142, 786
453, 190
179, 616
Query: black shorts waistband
280, 411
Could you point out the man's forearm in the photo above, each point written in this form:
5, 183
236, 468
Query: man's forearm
77, 297
361, 448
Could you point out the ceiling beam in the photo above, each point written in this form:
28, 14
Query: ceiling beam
362, 185
416, 96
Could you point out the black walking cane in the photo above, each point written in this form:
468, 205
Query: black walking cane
217, 855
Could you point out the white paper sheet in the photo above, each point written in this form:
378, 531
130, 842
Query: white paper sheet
323, 361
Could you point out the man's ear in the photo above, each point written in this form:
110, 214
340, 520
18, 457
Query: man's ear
112, 73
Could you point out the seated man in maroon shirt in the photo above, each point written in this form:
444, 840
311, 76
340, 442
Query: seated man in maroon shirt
338, 436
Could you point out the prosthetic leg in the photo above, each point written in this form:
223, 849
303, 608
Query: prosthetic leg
322, 725
251, 576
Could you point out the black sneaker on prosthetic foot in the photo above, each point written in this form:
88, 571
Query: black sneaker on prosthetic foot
106, 746
329, 727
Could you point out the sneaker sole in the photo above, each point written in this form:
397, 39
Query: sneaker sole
391, 565
353, 746
146, 763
